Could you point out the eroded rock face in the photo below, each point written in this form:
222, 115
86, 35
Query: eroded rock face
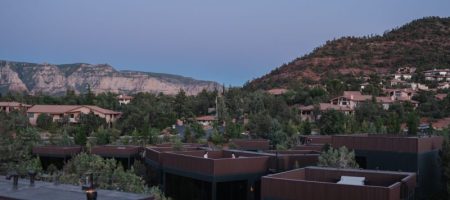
9, 80
56, 79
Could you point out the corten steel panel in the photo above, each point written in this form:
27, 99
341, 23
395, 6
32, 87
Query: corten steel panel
233, 166
430, 143
188, 163
251, 144
396, 144
155, 153
116, 151
381, 178
283, 189
56, 150
322, 139
193, 162
309, 147
395, 191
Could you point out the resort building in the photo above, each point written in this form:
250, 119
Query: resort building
124, 99
71, 112
10, 106
316, 183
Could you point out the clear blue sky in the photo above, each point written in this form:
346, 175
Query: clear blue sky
229, 41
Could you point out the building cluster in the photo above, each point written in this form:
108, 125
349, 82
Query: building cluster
348, 102
71, 113
390, 167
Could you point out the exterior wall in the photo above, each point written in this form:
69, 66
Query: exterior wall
283, 189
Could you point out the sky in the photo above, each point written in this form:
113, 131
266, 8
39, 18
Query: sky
229, 42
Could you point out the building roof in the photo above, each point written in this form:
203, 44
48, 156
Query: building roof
326, 106
124, 97
277, 91
13, 104
356, 96
384, 100
206, 118
46, 190
61, 109
441, 123
318, 183
440, 96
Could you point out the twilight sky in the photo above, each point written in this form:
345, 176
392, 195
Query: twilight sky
229, 41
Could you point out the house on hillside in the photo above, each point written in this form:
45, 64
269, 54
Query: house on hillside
124, 99
350, 99
437, 75
277, 91
206, 120
308, 112
404, 73
10, 106
440, 96
72, 112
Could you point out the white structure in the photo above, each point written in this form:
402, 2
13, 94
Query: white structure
124, 99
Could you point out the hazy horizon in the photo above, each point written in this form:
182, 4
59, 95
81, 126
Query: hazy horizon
228, 42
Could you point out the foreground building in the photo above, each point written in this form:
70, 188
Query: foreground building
46, 190
414, 154
71, 112
315, 183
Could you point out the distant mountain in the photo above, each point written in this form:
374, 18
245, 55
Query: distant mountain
56, 79
423, 43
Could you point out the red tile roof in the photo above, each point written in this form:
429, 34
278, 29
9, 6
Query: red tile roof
206, 118
440, 96
277, 91
14, 104
326, 106
60, 109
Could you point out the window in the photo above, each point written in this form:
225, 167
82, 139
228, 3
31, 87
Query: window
30, 115
72, 115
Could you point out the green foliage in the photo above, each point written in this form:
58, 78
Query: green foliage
306, 128
217, 138
338, 158
412, 123
106, 136
44, 121
331, 122
108, 174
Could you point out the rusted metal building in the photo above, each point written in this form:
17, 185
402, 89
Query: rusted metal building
315, 183
56, 155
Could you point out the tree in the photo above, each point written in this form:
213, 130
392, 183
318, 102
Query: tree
338, 158
306, 128
412, 123
44, 121
332, 122
108, 174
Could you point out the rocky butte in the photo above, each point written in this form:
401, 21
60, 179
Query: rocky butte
57, 79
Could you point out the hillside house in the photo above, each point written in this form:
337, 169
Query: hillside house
72, 112
437, 75
308, 112
206, 120
124, 99
277, 91
350, 99
10, 106
404, 73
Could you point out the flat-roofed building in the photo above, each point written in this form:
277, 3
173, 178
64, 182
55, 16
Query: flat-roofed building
316, 183
398, 153
126, 154
56, 155
46, 190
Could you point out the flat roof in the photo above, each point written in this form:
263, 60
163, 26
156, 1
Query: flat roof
56, 151
116, 150
317, 183
45, 190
